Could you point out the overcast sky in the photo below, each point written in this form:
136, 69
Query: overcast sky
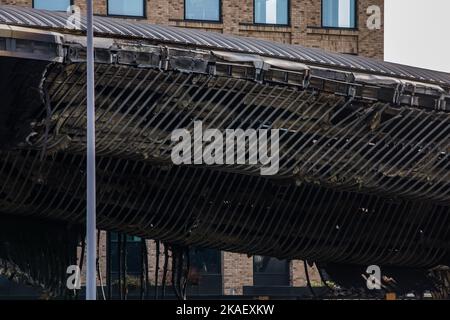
417, 33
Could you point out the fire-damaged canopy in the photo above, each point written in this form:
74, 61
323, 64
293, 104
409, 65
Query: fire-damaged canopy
187, 38
364, 170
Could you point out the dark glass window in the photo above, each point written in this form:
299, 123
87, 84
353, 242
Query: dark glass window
134, 256
269, 271
339, 13
205, 275
129, 8
271, 11
54, 5
207, 10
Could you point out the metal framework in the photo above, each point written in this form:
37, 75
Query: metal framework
364, 145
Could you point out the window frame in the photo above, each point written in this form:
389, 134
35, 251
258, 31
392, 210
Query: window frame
71, 2
200, 20
356, 27
288, 24
144, 12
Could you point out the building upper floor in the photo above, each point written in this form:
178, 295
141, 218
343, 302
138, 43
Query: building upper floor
345, 26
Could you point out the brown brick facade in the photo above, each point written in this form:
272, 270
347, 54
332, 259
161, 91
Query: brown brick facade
237, 18
237, 271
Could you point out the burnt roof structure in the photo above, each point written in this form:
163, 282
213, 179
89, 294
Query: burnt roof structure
364, 173
189, 38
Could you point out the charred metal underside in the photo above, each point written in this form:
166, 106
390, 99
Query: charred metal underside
364, 158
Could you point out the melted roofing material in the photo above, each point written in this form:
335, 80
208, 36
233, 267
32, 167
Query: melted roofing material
113, 27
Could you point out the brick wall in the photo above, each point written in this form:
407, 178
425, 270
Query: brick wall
237, 18
371, 42
25, 3
237, 271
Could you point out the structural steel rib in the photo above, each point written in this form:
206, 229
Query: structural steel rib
364, 145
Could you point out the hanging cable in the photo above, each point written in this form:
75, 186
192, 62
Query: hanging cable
80, 266
108, 264
158, 252
187, 266
99, 272
308, 281
144, 269
125, 267
166, 263
120, 262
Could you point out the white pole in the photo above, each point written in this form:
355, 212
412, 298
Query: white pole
91, 286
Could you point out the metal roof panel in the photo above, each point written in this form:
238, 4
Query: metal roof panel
120, 28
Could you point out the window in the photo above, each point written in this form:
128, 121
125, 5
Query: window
339, 13
271, 11
270, 272
205, 274
116, 267
54, 5
207, 10
127, 8
134, 266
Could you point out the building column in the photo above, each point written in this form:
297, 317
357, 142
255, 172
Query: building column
237, 272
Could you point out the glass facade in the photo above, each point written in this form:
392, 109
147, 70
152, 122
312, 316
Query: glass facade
131, 268
208, 10
270, 272
272, 11
131, 8
54, 5
339, 13
134, 256
205, 274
